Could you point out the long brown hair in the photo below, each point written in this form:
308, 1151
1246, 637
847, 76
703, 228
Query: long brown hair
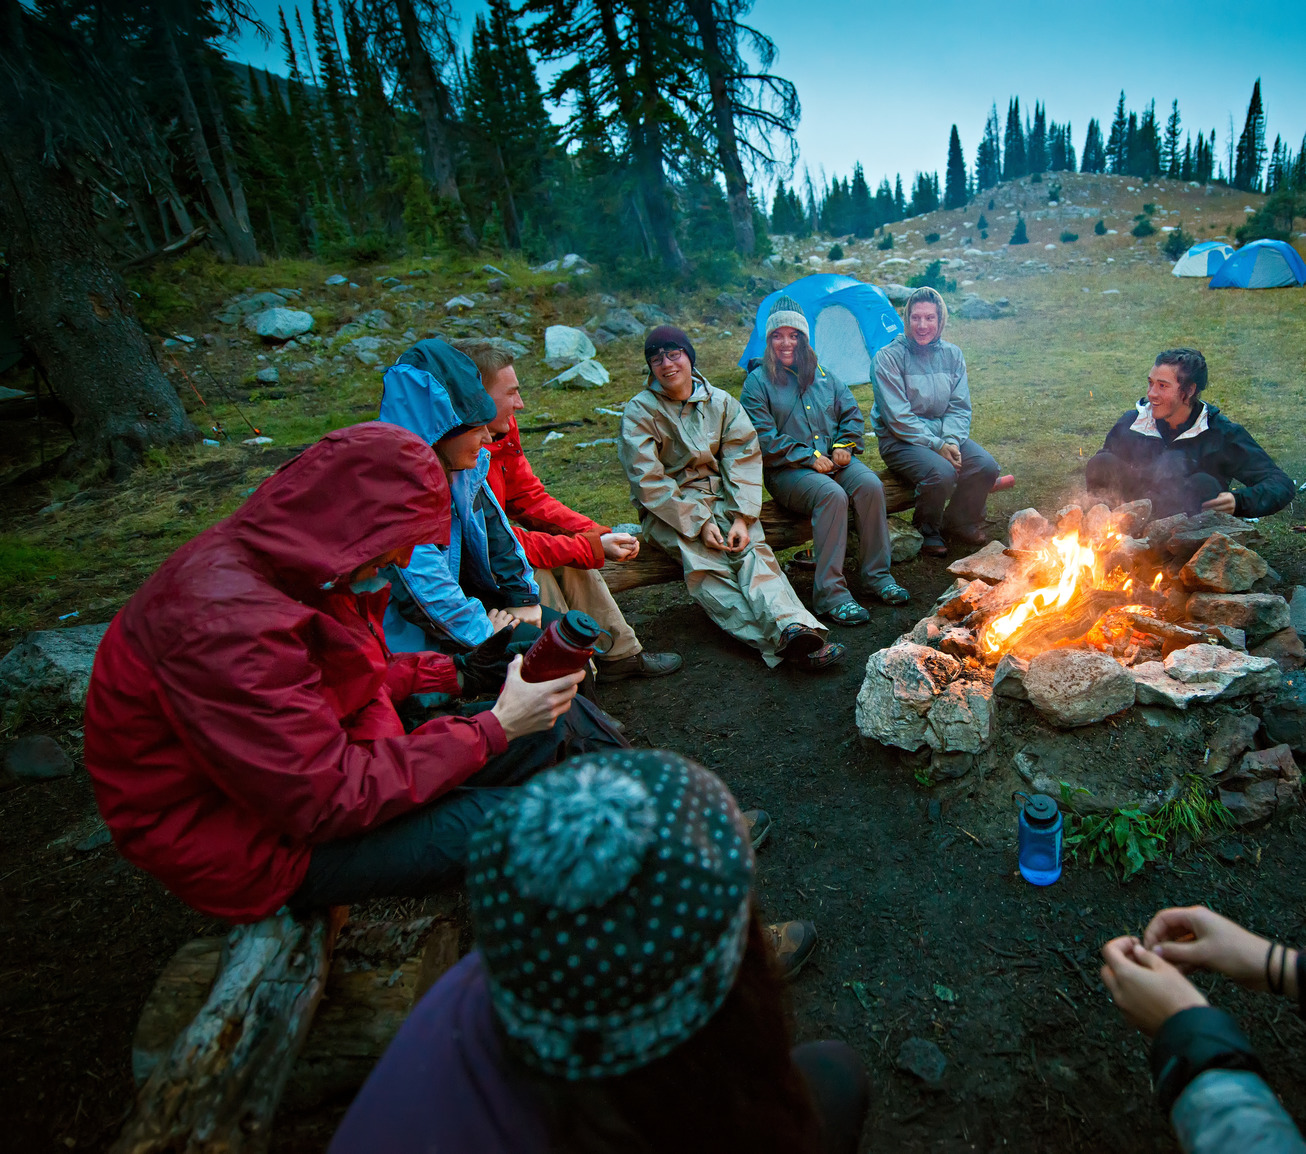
804, 363
731, 1086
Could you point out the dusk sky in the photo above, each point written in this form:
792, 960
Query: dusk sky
884, 82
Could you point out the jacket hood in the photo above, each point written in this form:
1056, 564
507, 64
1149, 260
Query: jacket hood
1145, 422
921, 296
433, 390
697, 391
358, 493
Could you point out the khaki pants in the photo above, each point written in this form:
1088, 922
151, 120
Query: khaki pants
567, 587
746, 594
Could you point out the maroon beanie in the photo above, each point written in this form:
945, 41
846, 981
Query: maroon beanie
667, 336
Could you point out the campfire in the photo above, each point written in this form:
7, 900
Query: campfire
1083, 616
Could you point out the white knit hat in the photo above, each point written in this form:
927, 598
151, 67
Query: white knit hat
787, 312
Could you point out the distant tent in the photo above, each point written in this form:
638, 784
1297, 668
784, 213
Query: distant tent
1203, 259
1261, 264
850, 321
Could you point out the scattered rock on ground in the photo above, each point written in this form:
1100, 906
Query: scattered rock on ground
1222, 566
1072, 687
1259, 615
335, 279
990, 564
619, 324
1234, 735
923, 1058
459, 304
651, 315
377, 319
51, 668
268, 376
564, 346
896, 293
37, 757
589, 374
905, 540
279, 324
974, 308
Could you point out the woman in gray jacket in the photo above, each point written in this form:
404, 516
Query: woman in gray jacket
921, 419
810, 429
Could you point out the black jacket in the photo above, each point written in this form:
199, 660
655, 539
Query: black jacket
1214, 445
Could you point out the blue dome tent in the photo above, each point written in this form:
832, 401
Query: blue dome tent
1261, 264
851, 321
1203, 259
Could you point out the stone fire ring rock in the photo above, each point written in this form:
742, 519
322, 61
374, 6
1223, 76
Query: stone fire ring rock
1072, 687
913, 697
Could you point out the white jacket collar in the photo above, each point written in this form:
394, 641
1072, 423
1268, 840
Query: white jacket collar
1145, 423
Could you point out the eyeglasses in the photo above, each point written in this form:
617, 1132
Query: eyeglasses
660, 358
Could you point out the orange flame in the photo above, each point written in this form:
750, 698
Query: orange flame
1156, 583
1078, 563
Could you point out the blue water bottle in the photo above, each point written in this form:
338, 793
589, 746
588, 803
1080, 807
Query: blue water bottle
1039, 839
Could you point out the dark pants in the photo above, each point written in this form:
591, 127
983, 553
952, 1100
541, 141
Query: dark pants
416, 854
840, 1092
825, 498
1168, 482
937, 483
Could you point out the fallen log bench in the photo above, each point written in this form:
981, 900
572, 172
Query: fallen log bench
300, 1009
783, 530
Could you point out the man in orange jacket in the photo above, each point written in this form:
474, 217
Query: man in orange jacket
566, 549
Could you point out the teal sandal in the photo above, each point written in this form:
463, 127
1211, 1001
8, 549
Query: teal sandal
849, 613
893, 594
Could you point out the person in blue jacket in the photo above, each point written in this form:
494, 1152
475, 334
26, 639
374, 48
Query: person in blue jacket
1207, 1076
453, 597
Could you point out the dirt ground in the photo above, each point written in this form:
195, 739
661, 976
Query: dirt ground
914, 892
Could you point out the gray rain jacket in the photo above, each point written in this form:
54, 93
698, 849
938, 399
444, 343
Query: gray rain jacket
793, 425
921, 393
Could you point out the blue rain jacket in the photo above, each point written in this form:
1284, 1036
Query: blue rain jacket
436, 598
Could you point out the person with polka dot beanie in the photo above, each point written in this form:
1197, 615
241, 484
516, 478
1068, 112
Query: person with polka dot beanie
623, 995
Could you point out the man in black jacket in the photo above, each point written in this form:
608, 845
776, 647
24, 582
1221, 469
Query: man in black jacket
1180, 452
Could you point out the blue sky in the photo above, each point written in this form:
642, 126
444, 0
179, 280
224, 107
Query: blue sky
883, 82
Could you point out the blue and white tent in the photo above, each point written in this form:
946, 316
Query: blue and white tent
1203, 259
850, 321
1261, 264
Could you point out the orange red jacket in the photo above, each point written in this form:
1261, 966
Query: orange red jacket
549, 532
240, 711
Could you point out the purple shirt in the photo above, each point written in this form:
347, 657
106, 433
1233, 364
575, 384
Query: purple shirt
444, 1085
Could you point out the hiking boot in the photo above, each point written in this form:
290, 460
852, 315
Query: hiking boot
791, 944
759, 825
829, 654
641, 664
934, 547
798, 641
971, 535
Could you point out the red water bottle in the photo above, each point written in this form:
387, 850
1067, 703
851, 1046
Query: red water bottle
564, 647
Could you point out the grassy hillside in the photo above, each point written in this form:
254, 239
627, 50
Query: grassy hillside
1048, 380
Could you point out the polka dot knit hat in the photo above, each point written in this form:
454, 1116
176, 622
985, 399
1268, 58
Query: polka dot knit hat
610, 898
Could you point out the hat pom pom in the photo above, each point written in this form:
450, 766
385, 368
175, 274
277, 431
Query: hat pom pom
579, 836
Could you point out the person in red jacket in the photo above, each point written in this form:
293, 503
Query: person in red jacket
565, 548
241, 732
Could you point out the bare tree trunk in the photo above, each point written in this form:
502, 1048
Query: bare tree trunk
639, 112
714, 65
241, 245
74, 311
239, 208
431, 109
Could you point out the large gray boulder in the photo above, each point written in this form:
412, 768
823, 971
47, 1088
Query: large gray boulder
276, 326
589, 374
1072, 687
619, 324
1221, 565
564, 346
912, 697
975, 308
50, 670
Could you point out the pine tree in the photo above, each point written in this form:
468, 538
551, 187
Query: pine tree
1019, 234
1250, 157
862, 208
1147, 145
885, 209
1036, 147
988, 157
1186, 166
1274, 175
1172, 164
1014, 163
899, 201
924, 193
780, 223
1093, 158
955, 187
1117, 145
1132, 157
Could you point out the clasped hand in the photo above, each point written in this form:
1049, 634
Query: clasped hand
619, 546
734, 542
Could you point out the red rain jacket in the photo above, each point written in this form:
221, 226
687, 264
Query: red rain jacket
550, 533
238, 713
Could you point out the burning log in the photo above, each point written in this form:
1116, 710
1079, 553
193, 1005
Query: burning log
1067, 624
